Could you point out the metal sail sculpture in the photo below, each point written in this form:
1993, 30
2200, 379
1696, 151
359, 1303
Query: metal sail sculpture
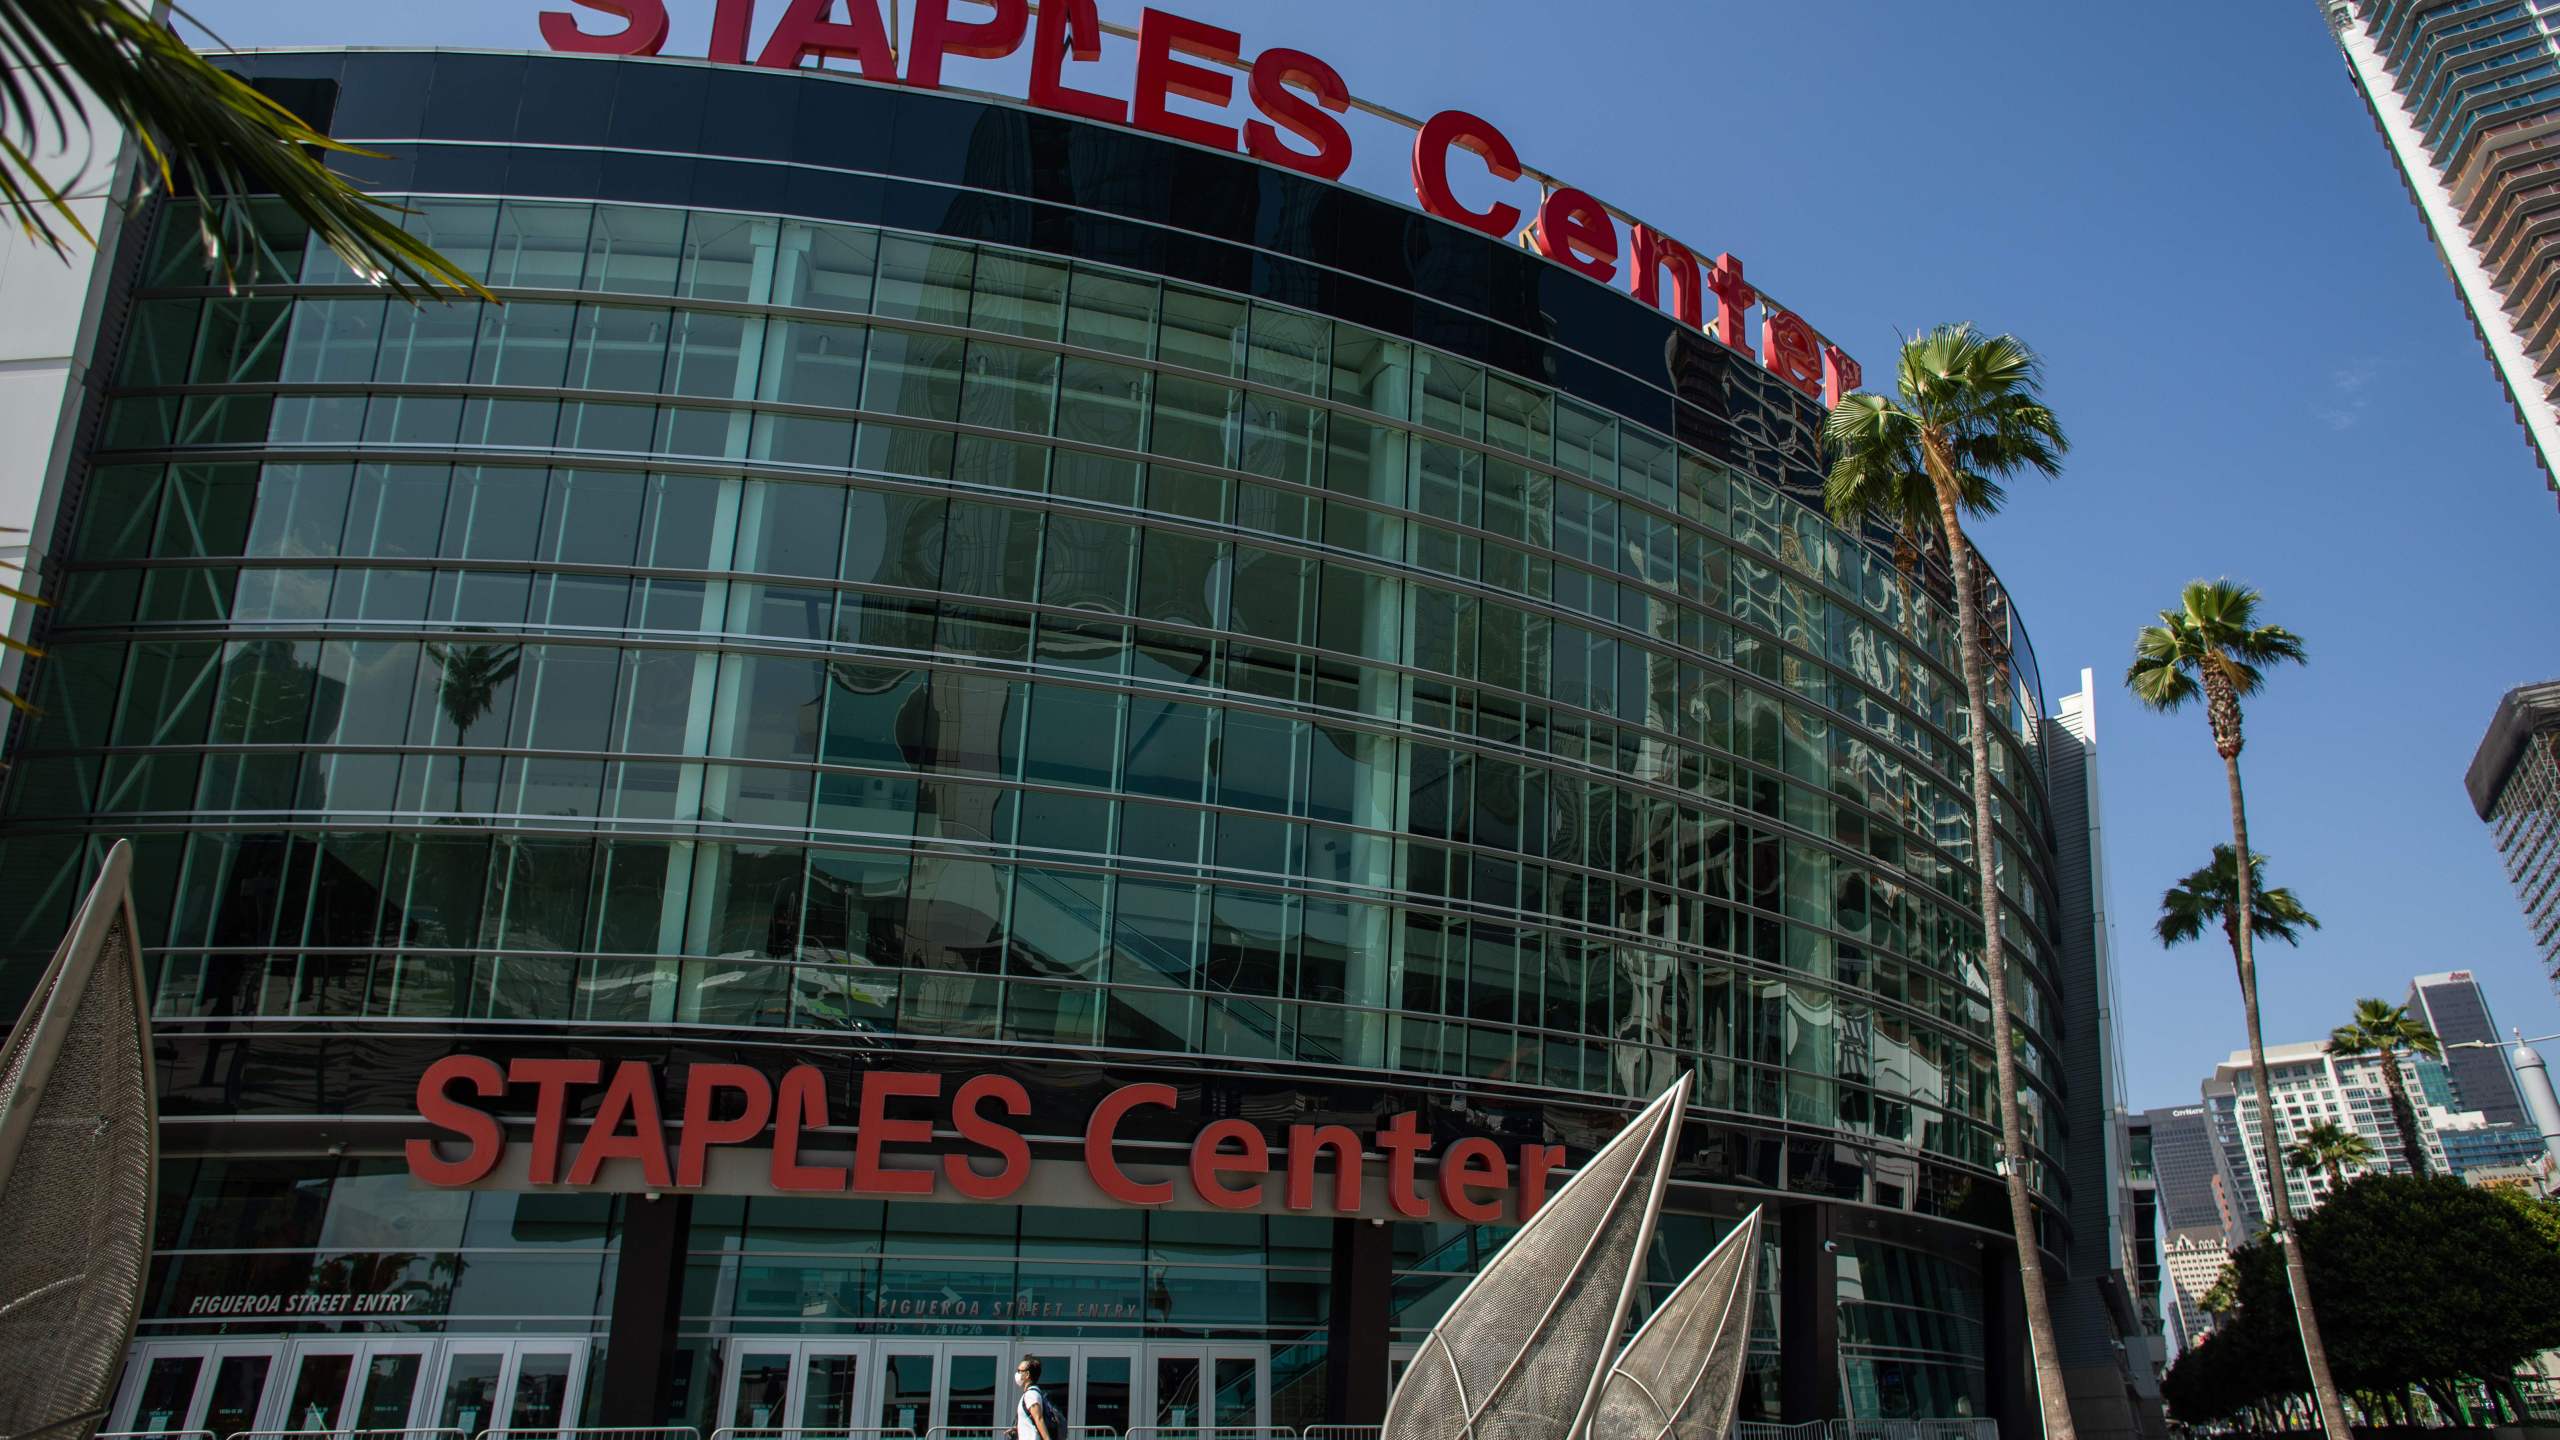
1521, 1354
1679, 1377
78, 1146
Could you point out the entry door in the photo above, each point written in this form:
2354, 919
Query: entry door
529, 1387
962, 1386
1106, 1391
220, 1386
976, 1391
1199, 1390
811, 1385
332, 1385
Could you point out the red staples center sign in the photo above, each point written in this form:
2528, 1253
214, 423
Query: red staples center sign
897, 1150
1295, 98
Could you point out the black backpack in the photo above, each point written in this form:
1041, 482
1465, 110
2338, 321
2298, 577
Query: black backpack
1053, 1421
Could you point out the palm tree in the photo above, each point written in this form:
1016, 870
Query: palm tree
193, 122
1967, 413
469, 685
2204, 898
2383, 1031
2331, 1148
2212, 645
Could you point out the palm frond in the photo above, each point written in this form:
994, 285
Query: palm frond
197, 126
2205, 897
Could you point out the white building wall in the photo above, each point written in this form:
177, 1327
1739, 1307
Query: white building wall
49, 313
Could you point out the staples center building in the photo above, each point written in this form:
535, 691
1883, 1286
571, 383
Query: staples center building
965, 730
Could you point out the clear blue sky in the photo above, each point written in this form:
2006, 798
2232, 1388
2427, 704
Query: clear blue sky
2262, 365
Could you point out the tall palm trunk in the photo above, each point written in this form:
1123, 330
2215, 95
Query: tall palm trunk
2402, 1113
2223, 708
2051, 1397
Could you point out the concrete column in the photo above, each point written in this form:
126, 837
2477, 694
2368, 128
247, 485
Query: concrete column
1356, 1326
1808, 1316
648, 1291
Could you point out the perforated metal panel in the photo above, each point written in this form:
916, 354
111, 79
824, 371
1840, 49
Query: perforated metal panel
1521, 1353
1680, 1376
78, 1144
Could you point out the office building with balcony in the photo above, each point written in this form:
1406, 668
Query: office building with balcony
2466, 95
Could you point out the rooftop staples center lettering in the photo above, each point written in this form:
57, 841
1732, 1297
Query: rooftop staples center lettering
1185, 81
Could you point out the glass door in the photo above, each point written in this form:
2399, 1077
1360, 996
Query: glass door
1198, 1391
332, 1385
976, 1392
904, 1375
219, 1386
783, 1385
522, 1387
1105, 1394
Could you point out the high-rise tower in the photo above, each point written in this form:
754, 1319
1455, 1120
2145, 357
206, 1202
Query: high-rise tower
2455, 1007
2467, 96
2514, 782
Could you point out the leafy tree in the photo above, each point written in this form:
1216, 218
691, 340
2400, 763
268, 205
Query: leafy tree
2423, 1282
2330, 1148
2383, 1031
1967, 412
193, 122
2213, 647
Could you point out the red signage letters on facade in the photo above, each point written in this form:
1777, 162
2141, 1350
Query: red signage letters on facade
1292, 92
899, 1114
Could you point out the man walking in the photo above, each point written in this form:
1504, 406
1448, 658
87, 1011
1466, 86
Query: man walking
1035, 1418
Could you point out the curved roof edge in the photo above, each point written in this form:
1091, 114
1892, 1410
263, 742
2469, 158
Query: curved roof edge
2526, 711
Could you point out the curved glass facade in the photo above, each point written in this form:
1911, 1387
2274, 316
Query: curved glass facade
801, 609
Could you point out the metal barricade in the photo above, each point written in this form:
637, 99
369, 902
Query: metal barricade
441, 1432
1770, 1430
153, 1435
1342, 1432
1002, 1433
1211, 1432
602, 1432
826, 1432
986, 1432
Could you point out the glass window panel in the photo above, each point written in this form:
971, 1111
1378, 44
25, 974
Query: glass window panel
808, 362
1110, 312
1194, 421
593, 517
825, 267
1203, 331
709, 356
721, 254
1449, 395
925, 279
494, 512
1518, 418
1007, 388
917, 375
787, 529
331, 340
618, 347
428, 344
634, 250
540, 246
1019, 295
893, 539
1288, 349
523, 343
991, 550
396, 510
301, 510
